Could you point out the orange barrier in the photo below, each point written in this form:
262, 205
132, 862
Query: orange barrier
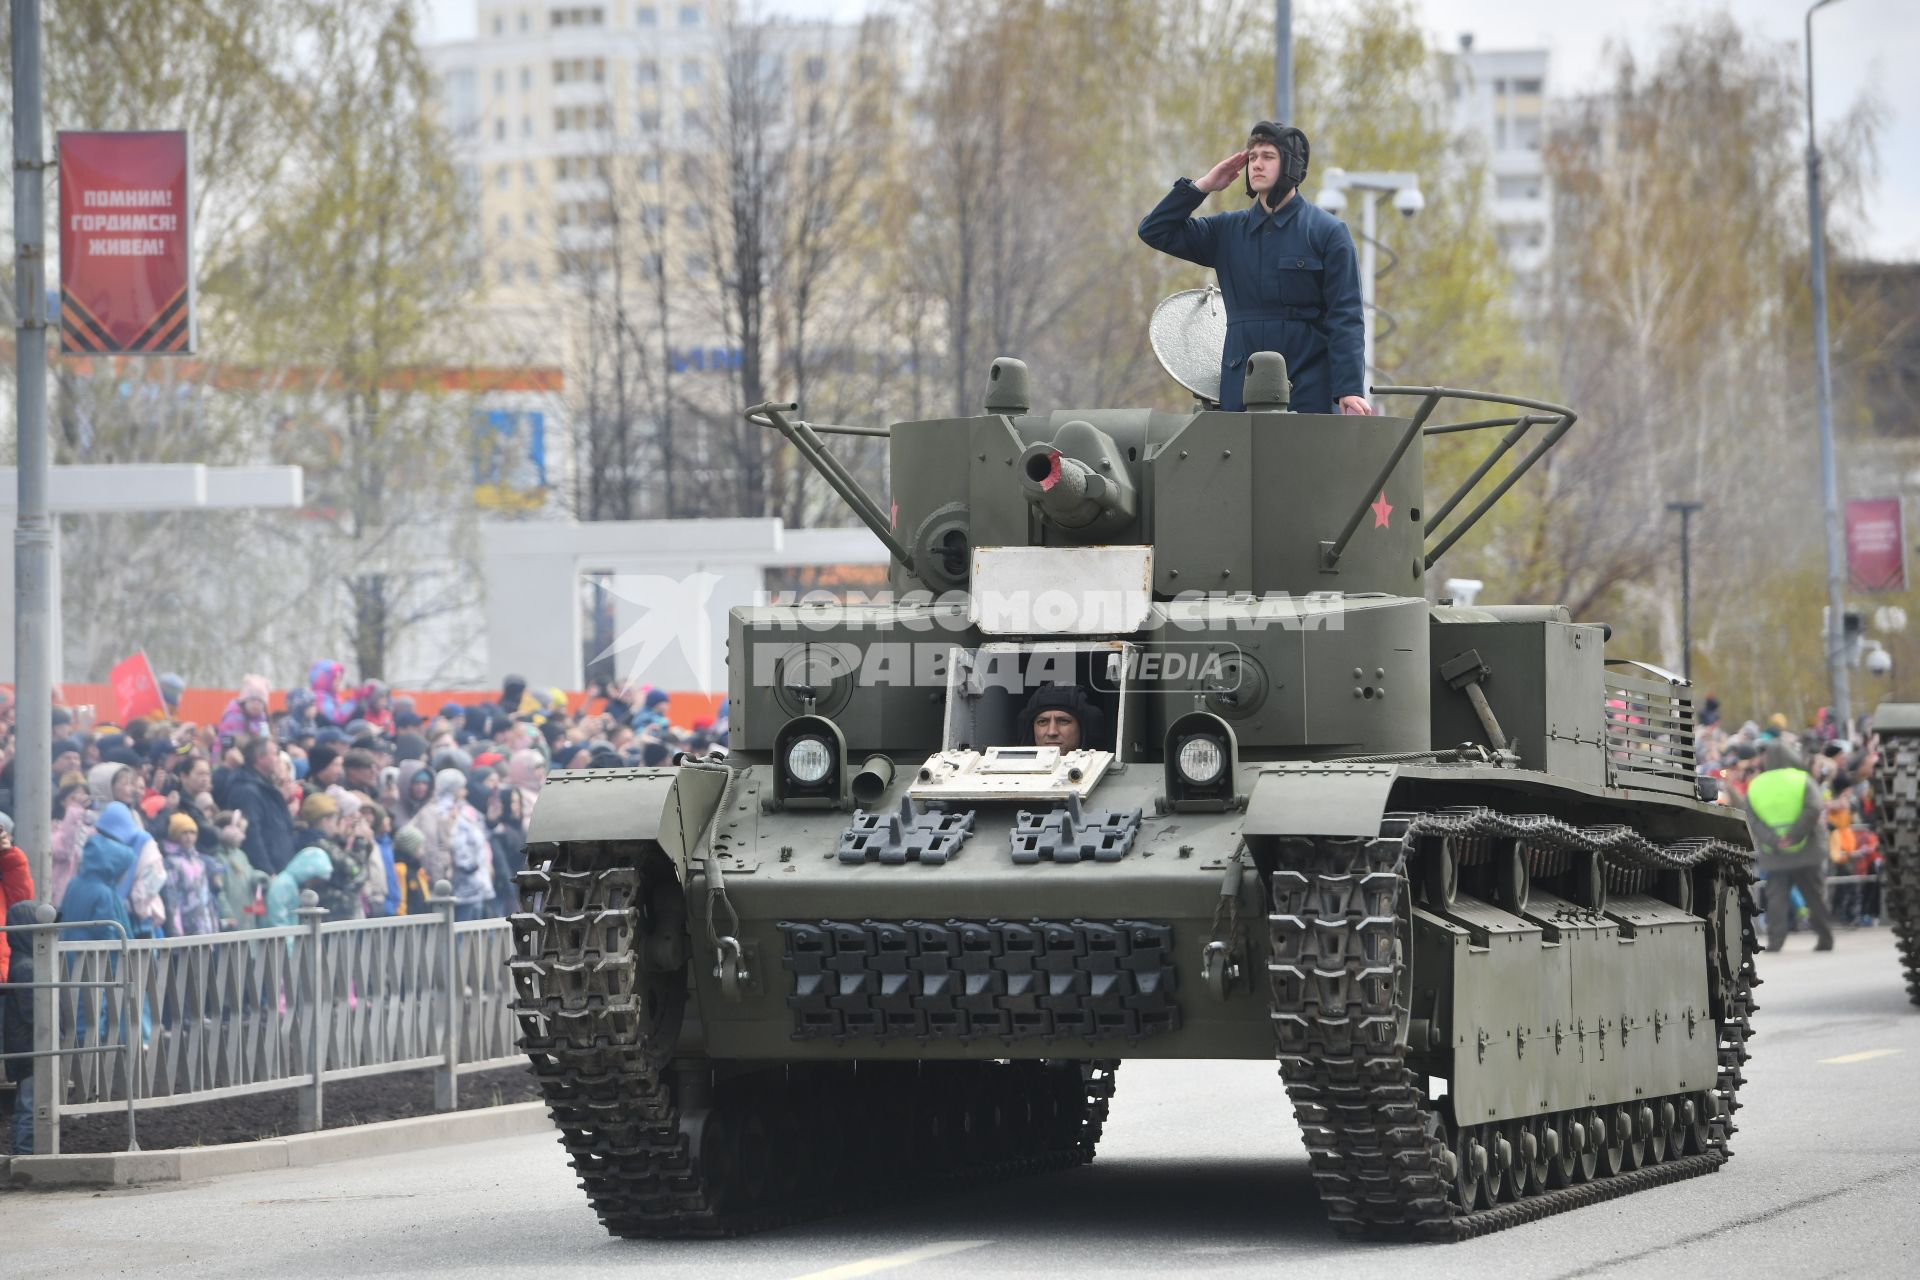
205, 706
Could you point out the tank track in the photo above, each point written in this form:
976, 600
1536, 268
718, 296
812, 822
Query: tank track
1389, 1163
1896, 806
675, 1147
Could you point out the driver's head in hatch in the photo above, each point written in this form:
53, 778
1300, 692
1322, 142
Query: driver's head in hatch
1061, 716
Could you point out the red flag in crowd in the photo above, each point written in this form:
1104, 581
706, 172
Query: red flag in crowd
135, 691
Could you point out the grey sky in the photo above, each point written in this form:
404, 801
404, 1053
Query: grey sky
1860, 45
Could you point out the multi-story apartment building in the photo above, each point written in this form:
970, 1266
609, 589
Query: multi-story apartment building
1498, 98
560, 107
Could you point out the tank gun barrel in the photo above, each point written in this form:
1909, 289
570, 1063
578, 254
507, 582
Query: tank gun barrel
1078, 479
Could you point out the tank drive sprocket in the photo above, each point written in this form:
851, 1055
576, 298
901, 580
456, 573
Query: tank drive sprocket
1389, 1162
1896, 802
683, 1146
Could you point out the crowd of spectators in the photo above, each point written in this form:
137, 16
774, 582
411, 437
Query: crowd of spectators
1841, 760
176, 829
169, 828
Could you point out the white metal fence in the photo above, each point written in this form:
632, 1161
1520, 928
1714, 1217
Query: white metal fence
255, 1011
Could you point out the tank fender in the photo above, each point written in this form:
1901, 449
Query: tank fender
696, 794
1319, 799
668, 806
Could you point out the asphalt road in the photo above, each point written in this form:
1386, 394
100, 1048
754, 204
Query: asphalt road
1200, 1172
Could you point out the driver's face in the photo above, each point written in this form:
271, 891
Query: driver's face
1056, 729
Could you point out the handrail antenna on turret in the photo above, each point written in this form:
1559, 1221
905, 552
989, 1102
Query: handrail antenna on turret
1560, 417
804, 437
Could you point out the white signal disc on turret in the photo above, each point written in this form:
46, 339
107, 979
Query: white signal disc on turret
1188, 332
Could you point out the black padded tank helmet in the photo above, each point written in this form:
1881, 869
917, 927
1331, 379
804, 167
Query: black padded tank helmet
1294, 151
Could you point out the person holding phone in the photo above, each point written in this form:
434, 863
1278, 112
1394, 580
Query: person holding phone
1287, 272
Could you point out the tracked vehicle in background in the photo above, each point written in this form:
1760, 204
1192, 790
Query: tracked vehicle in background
1448, 865
1896, 820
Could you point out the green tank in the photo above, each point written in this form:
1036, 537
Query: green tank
1451, 867
1896, 820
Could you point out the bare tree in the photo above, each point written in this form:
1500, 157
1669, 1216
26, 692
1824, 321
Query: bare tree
359, 275
793, 134
1679, 326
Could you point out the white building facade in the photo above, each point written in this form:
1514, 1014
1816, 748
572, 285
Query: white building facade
1497, 97
546, 96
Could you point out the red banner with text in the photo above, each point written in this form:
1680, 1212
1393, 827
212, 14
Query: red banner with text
1876, 545
126, 244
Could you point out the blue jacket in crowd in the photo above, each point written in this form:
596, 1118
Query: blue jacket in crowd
94, 893
1290, 283
283, 891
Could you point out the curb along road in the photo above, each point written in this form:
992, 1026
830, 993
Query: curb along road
190, 1164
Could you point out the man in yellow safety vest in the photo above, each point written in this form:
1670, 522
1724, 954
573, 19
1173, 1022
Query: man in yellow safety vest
1788, 820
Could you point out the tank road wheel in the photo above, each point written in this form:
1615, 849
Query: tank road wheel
1042, 1112
1473, 1171
1587, 1136
1563, 1166
787, 1157
1696, 1123
1511, 883
1501, 1153
1610, 1143
1676, 889
714, 1138
1020, 1104
1439, 873
986, 1121
661, 960
1508, 1142
1069, 1107
750, 1154
937, 1122
1633, 1120
1541, 1140
1664, 1137
1590, 881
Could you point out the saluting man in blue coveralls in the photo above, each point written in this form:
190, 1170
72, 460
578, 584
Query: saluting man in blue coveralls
1287, 272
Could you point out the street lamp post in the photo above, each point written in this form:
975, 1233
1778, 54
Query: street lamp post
1283, 61
1686, 510
32, 530
1371, 186
1840, 695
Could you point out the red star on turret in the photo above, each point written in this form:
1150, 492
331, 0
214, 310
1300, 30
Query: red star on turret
1381, 509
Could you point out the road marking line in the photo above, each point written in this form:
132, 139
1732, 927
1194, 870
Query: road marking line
887, 1262
1865, 1055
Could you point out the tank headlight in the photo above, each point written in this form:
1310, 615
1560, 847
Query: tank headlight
809, 761
1201, 760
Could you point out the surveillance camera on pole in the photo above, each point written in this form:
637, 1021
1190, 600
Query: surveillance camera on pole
1368, 188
